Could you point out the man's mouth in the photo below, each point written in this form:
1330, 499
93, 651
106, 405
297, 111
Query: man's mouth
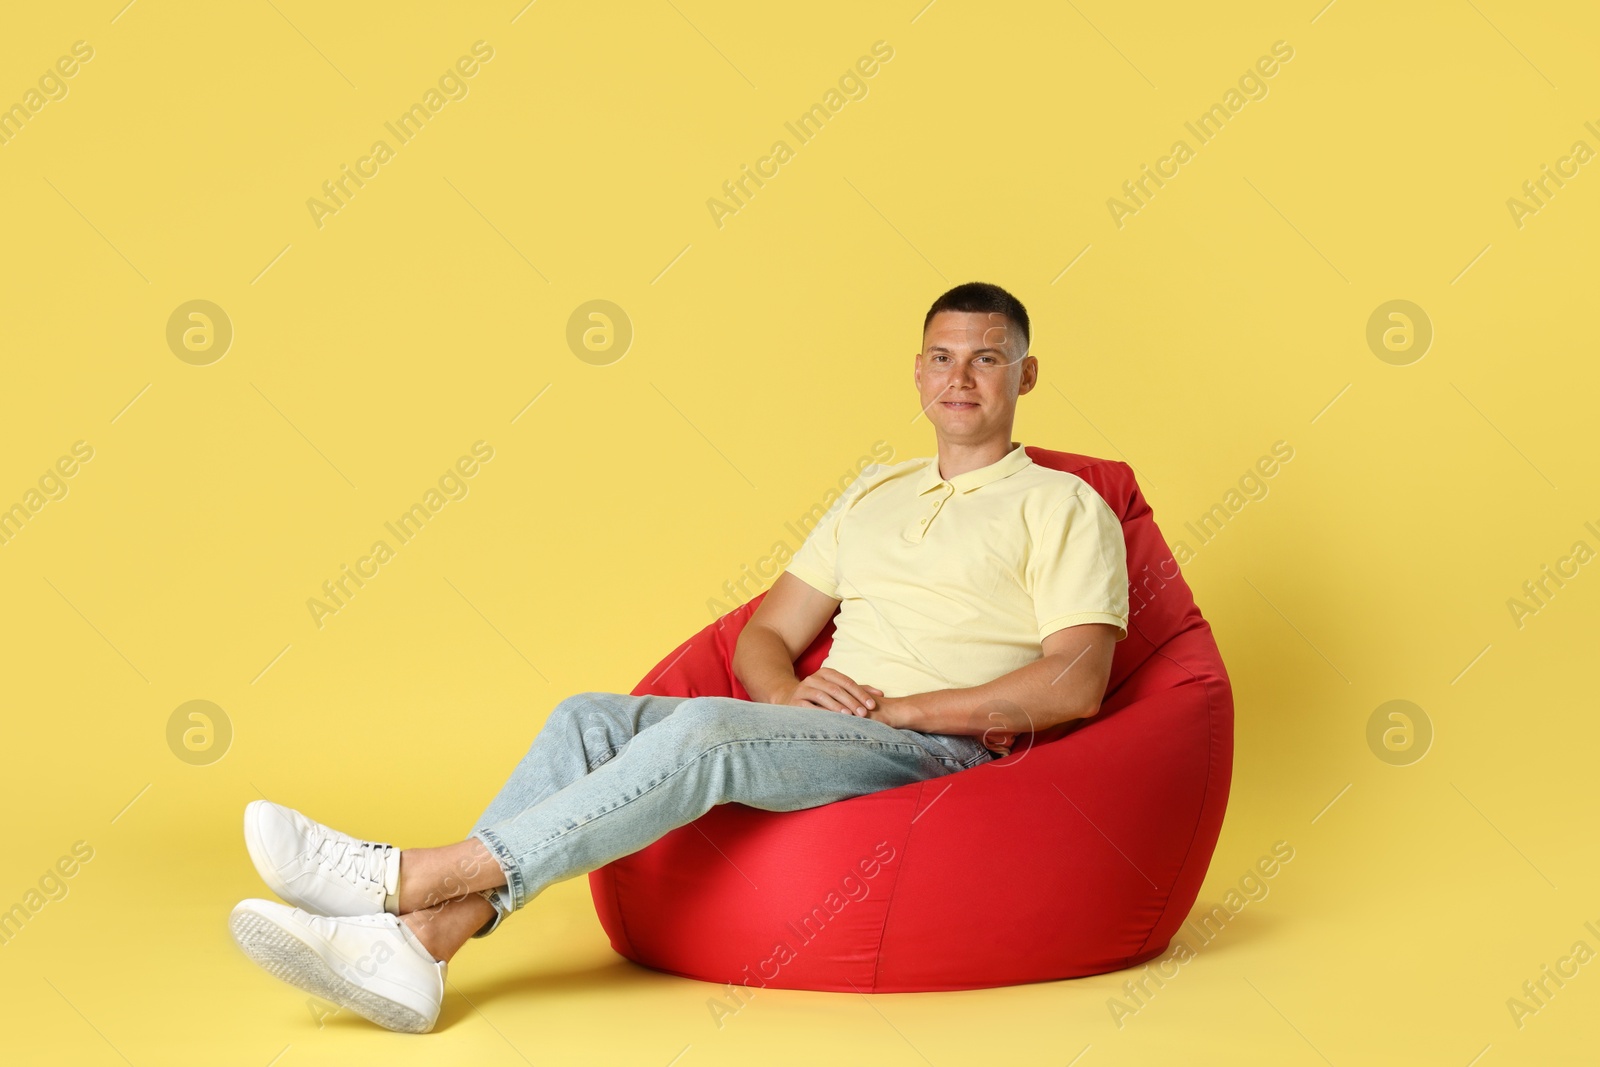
959, 405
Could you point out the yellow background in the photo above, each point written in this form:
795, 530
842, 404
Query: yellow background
768, 356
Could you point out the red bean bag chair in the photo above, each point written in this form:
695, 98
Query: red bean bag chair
1079, 853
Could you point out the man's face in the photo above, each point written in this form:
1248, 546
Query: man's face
969, 374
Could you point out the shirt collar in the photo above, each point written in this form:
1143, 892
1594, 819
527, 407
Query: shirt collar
1012, 462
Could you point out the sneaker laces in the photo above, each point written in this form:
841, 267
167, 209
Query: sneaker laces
352, 859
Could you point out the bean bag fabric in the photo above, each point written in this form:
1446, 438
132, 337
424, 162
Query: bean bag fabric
1079, 853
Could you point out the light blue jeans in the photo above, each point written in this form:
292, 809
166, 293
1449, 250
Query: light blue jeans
608, 774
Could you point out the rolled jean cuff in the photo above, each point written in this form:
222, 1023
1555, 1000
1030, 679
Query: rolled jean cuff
504, 899
500, 912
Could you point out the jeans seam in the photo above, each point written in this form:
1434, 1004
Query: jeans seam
513, 871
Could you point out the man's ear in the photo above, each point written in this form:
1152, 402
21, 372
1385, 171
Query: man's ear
1030, 374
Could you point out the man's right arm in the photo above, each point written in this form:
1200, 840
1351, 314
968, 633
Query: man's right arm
783, 626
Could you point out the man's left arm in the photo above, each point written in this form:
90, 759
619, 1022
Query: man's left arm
1066, 683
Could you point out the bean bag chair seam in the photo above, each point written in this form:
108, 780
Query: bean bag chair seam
1205, 800
894, 892
622, 917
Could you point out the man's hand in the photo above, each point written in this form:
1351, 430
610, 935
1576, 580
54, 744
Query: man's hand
906, 713
835, 692
999, 739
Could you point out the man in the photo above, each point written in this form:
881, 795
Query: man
979, 597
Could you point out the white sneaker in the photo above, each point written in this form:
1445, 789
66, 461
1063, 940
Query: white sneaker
317, 868
370, 964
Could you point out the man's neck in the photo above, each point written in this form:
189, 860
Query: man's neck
959, 457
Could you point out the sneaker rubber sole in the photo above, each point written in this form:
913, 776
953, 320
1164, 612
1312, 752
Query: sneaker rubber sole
285, 956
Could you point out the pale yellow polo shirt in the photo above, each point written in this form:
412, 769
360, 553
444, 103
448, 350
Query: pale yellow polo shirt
950, 583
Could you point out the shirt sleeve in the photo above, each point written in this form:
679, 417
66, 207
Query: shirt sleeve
817, 561
1078, 572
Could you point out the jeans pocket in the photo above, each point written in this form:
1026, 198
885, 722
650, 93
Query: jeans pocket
957, 752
